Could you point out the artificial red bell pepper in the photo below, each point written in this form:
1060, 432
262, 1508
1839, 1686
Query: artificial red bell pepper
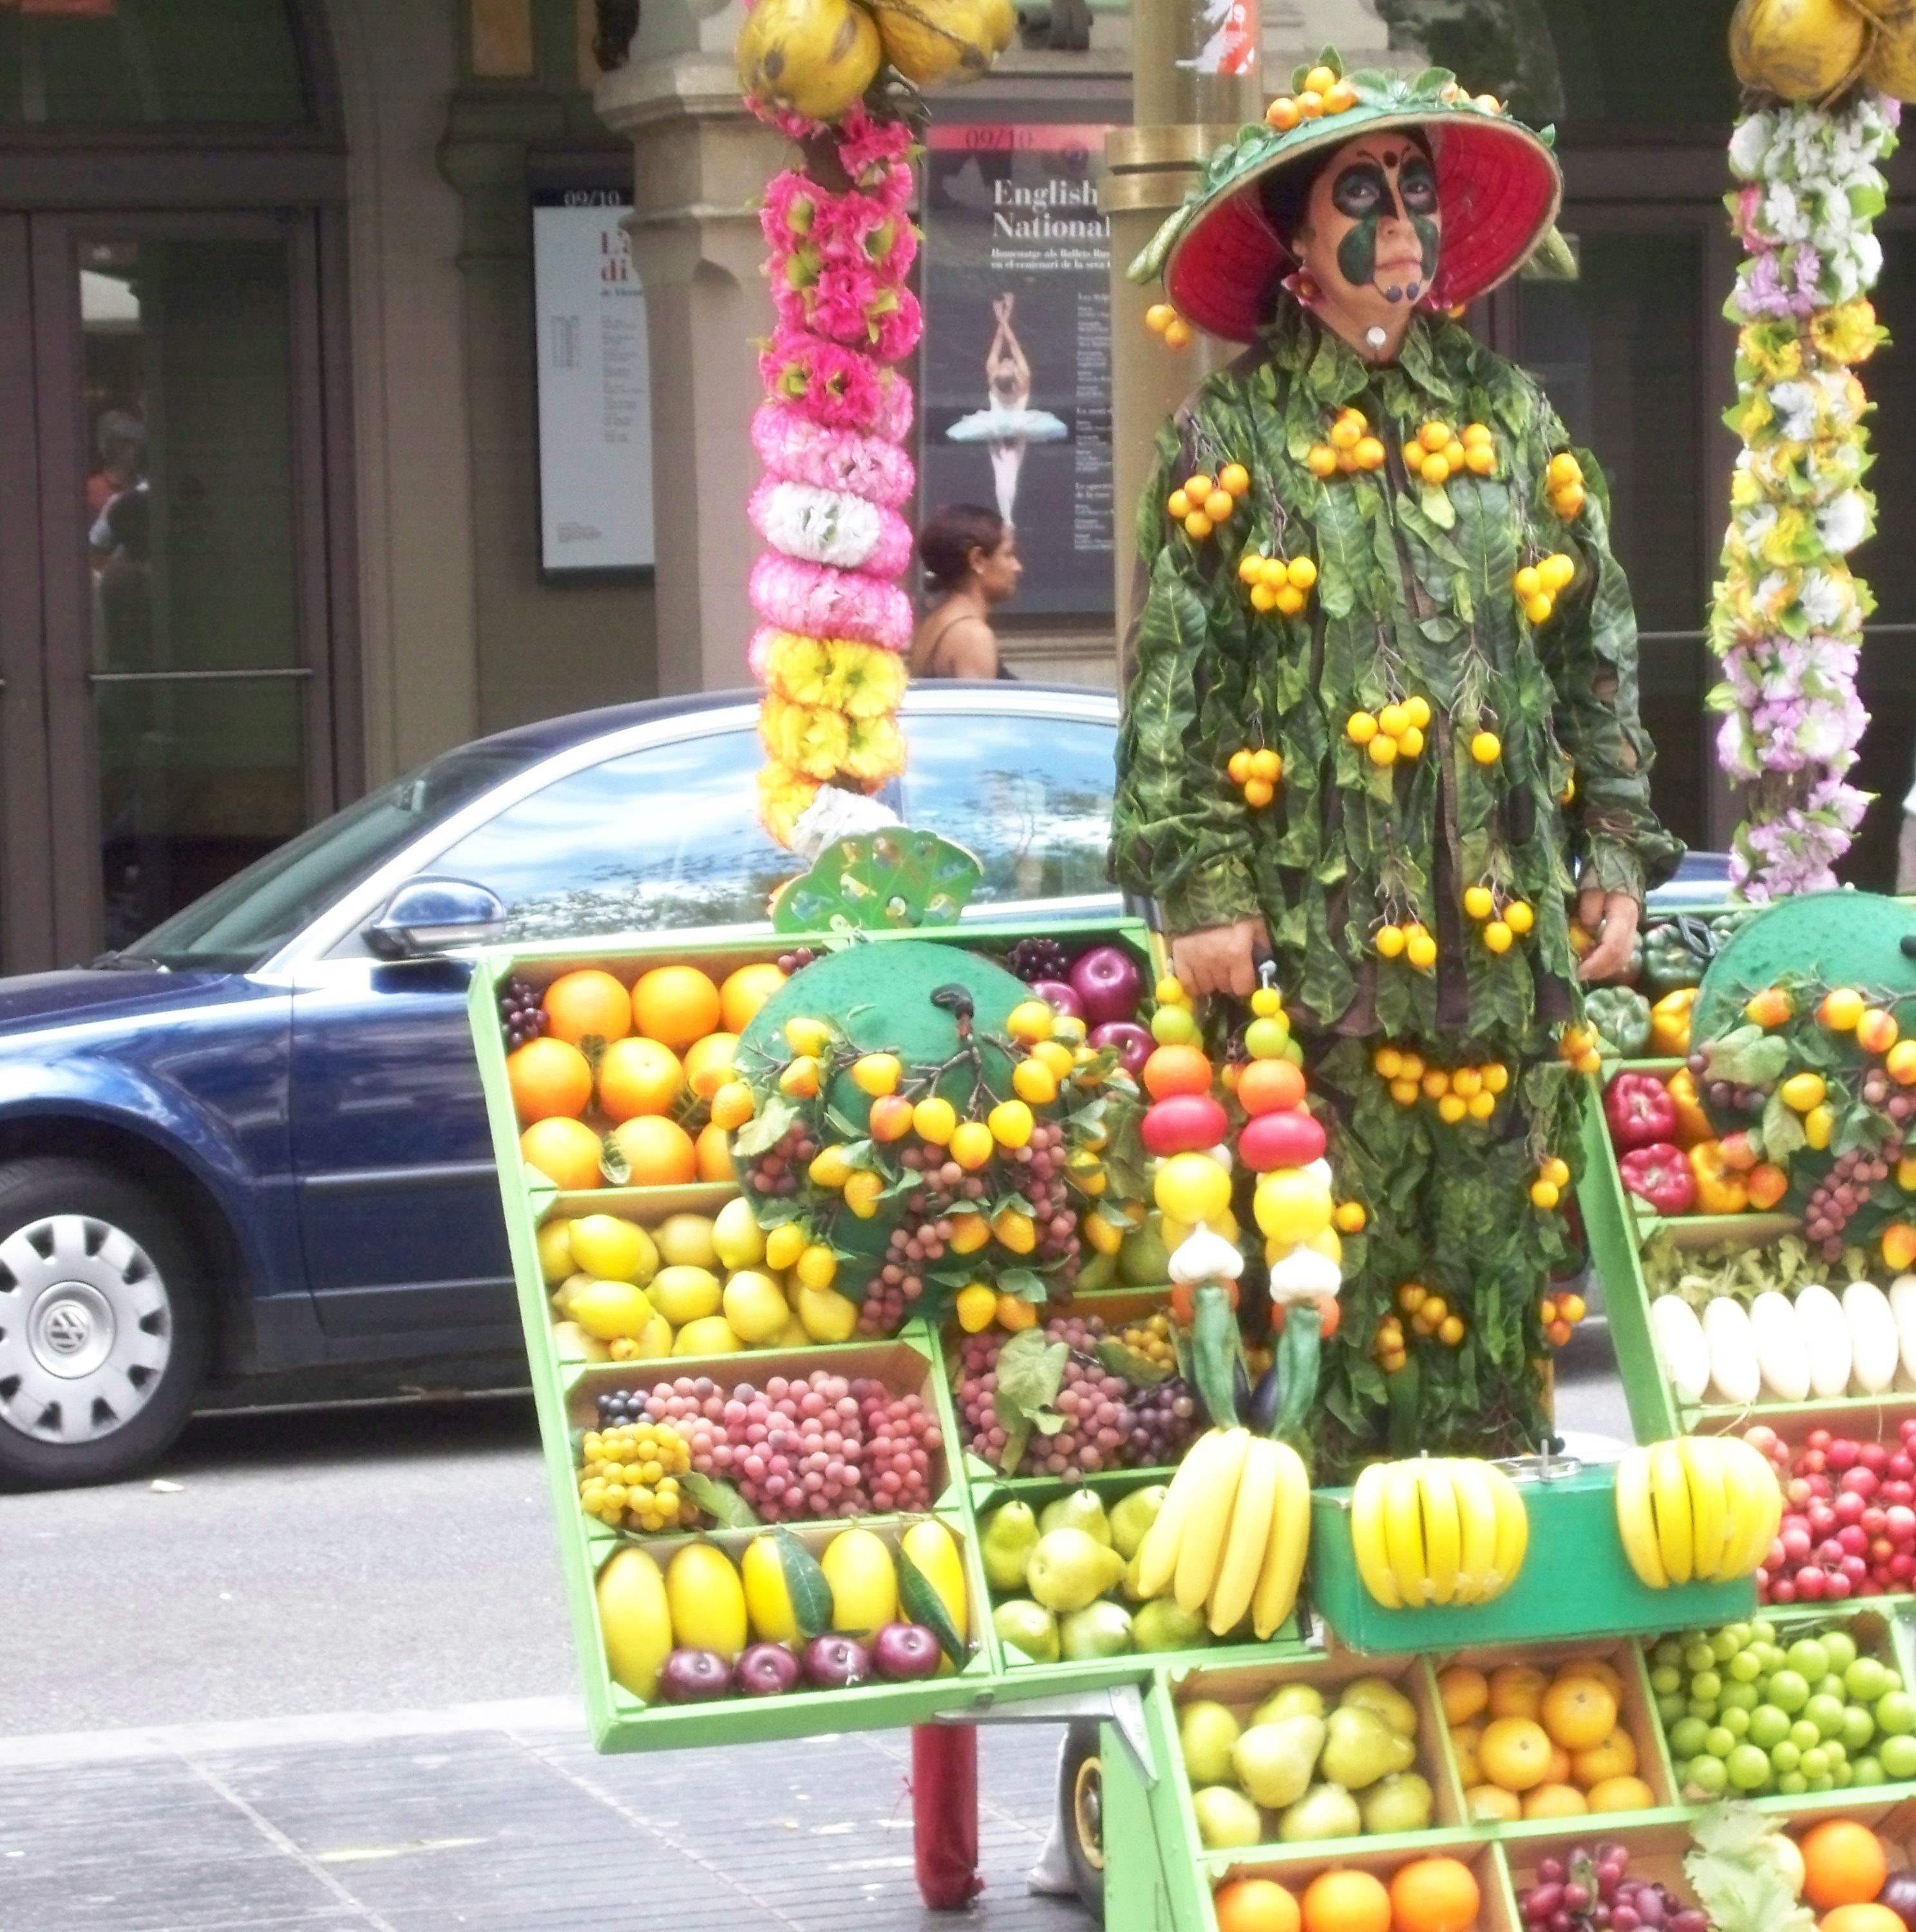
1660, 1174
1692, 1123
1720, 1189
1639, 1110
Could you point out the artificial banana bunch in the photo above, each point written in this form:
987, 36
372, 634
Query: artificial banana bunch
1438, 1530
1702, 1509
1232, 1533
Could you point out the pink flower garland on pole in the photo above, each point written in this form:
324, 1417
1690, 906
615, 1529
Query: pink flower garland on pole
836, 622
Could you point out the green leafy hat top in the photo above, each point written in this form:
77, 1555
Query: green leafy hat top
1497, 185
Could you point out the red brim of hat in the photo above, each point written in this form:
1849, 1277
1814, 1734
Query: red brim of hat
1497, 189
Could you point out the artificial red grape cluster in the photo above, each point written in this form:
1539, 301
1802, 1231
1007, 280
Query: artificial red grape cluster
804, 1446
779, 1169
919, 1238
1107, 1423
1039, 1170
1833, 1201
1038, 959
1589, 1890
521, 1016
790, 963
1849, 1517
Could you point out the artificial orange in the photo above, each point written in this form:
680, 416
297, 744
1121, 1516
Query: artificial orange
1614, 1757
1559, 1772
1577, 1712
708, 1062
745, 990
1515, 1752
1492, 1800
1254, 1905
638, 1076
548, 1079
585, 1004
1346, 1901
1861, 1918
1434, 1895
1843, 1863
566, 1152
714, 1149
1465, 1692
1516, 1691
1265, 1085
1600, 1668
1621, 1794
677, 1004
1177, 1069
658, 1150
1554, 1799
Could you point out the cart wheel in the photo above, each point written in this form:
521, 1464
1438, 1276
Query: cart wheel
1082, 1804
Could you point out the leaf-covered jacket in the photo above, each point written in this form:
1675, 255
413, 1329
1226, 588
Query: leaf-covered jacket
1413, 597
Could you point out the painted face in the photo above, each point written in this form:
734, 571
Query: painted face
1372, 228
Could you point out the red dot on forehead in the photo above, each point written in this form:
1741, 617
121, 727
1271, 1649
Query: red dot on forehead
1391, 157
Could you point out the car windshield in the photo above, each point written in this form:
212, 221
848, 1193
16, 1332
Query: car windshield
239, 924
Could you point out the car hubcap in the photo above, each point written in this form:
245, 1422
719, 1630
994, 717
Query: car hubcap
85, 1329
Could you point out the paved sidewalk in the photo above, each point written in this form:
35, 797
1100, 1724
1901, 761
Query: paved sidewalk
500, 1818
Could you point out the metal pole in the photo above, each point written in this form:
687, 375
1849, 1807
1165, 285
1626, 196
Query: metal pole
1196, 77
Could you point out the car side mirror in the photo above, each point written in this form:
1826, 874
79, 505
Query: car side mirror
428, 916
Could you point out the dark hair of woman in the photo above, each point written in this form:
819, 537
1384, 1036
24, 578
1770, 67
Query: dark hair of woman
951, 532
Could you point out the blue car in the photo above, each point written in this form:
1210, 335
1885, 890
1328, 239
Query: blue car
254, 1141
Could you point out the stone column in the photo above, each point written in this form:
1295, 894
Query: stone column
700, 162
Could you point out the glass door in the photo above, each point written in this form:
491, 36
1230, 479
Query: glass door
180, 548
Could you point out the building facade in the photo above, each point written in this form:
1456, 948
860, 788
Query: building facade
278, 519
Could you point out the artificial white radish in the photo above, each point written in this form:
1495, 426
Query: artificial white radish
1734, 1376
1873, 1346
1825, 1340
1902, 1305
1680, 1347
1780, 1357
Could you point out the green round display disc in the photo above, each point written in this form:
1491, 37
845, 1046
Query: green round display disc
1841, 938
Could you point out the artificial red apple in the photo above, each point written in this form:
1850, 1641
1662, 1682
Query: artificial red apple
694, 1677
1134, 1043
835, 1663
1109, 983
766, 1670
900, 1651
1061, 998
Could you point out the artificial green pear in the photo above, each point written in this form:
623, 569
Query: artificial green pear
1399, 1802
1034, 1631
1098, 1630
1069, 1569
1206, 1731
1360, 1747
1160, 1625
1381, 1695
1226, 1820
1079, 1509
1132, 1517
1289, 1700
1006, 1541
1324, 1811
1274, 1761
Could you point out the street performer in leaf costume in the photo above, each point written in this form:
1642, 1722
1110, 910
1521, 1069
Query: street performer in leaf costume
1371, 550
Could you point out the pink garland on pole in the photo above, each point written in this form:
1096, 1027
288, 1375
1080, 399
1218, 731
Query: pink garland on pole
831, 437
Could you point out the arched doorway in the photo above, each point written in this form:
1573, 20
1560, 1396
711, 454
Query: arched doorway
174, 526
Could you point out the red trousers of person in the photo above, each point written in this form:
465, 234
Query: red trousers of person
944, 1813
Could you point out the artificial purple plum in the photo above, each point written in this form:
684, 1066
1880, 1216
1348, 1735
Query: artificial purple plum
1109, 984
903, 1651
1061, 998
834, 1662
1133, 1043
694, 1677
766, 1670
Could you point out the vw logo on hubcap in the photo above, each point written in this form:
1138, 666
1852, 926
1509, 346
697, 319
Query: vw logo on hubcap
72, 1330
67, 1328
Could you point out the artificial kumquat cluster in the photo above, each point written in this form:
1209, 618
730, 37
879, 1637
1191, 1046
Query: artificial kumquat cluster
1437, 452
1202, 501
1256, 773
1351, 447
1552, 1177
1161, 318
1536, 584
1410, 941
1462, 1092
1430, 1314
1323, 93
1277, 583
1559, 1314
1501, 925
1395, 732
1388, 1348
1564, 481
1577, 1045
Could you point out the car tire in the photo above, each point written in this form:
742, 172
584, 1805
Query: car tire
1081, 1812
104, 1328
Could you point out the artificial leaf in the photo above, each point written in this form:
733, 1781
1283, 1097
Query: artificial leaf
766, 1128
719, 1500
804, 1585
1028, 1286
1139, 1370
882, 880
1029, 1371
613, 1163
1747, 1057
1737, 1876
1782, 1130
919, 1599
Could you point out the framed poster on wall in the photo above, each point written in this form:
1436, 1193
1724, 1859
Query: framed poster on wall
1015, 409
594, 386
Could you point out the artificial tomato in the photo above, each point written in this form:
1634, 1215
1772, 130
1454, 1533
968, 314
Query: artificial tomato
1692, 1123
1660, 1174
1719, 1189
1669, 1024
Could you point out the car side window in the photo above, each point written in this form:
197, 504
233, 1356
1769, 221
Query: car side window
1031, 797
668, 836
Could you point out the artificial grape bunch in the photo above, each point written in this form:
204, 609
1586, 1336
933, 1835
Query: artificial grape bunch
1396, 731
1164, 321
1351, 447
1202, 502
777, 1170
1589, 1890
1282, 584
1846, 1189
1037, 958
790, 962
1728, 1097
629, 1472
1553, 1176
1255, 774
1500, 920
1564, 480
804, 1446
1459, 1093
521, 1016
1538, 585
928, 1228
1437, 452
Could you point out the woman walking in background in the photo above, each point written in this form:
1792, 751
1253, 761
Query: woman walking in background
970, 557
